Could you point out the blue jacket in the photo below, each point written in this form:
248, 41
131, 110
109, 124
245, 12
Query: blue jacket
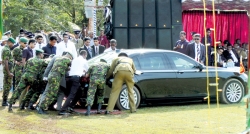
48, 50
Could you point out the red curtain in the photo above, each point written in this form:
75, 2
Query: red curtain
229, 25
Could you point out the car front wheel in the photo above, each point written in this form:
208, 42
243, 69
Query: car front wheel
232, 92
123, 99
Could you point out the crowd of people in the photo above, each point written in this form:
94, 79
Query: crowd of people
43, 69
201, 50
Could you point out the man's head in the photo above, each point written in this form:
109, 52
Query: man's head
91, 34
39, 39
69, 55
87, 42
220, 50
4, 40
220, 43
83, 53
39, 53
32, 43
237, 41
182, 35
122, 55
8, 33
30, 36
113, 44
208, 31
193, 33
76, 33
102, 32
102, 60
23, 42
21, 32
65, 37
236, 46
197, 38
52, 40
96, 41
229, 47
245, 46
11, 42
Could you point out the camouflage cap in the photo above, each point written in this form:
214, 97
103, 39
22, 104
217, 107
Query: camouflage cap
39, 51
102, 60
12, 40
24, 40
68, 53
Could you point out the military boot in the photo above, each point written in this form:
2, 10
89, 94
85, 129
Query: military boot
4, 103
41, 111
88, 110
10, 108
30, 107
21, 107
99, 108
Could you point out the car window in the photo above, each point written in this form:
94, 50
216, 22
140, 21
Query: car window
182, 62
136, 62
152, 62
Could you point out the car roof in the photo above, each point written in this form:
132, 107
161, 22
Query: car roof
143, 50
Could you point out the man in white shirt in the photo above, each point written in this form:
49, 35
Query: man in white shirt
112, 47
66, 45
39, 44
79, 67
234, 55
91, 37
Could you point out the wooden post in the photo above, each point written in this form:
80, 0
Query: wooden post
91, 21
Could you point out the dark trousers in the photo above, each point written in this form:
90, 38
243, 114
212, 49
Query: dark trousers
75, 81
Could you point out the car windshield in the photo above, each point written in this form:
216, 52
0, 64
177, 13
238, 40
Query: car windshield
108, 56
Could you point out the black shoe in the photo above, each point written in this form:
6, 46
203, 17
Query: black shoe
41, 111
52, 109
63, 113
30, 107
21, 107
10, 108
107, 112
4, 103
99, 108
88, 110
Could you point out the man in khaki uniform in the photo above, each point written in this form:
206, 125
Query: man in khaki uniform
123, 69
77, 40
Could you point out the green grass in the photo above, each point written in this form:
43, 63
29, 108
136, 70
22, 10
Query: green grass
176, 119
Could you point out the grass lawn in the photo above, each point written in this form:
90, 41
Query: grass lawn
194, 118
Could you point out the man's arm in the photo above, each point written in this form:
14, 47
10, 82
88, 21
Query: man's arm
6, 62
112, 67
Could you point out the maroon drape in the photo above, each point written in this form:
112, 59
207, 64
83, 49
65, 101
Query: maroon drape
229, 25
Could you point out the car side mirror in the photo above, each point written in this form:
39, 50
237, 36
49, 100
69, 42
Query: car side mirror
199, 66
137, 72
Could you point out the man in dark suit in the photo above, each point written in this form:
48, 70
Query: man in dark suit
220, 59
208, 45
196, 50
97, 48
87, 48
50, 48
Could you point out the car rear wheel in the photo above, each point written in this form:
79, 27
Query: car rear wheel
232, 92
123, 100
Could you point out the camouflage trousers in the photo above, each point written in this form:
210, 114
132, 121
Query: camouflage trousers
18, 74
93, 86
34, 92
52, 88
7, 83
27, 79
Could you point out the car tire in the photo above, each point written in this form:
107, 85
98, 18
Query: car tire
122, 102
232, 92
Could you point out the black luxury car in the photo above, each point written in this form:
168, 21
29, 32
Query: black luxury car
170, 75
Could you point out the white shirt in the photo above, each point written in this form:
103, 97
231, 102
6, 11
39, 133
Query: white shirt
78, 66
197, 57
92, 42
110, 50
69, 46
38, 46
233, 56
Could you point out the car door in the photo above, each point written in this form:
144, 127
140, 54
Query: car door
191, 80
157, 76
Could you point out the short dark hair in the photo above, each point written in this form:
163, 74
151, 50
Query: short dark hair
96, 38
31, 41
197, 35
83, 52
122, 54
64, 34
183, 32
39, 36
85, 39
51, 38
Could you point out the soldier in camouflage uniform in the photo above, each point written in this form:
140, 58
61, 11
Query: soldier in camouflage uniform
97, 73
60, 66
17, 53
37, 88
32, 68
7, 69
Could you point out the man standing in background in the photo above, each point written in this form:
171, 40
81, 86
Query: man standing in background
103, 39
66, 44
181, 45
77, 41
97, 48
